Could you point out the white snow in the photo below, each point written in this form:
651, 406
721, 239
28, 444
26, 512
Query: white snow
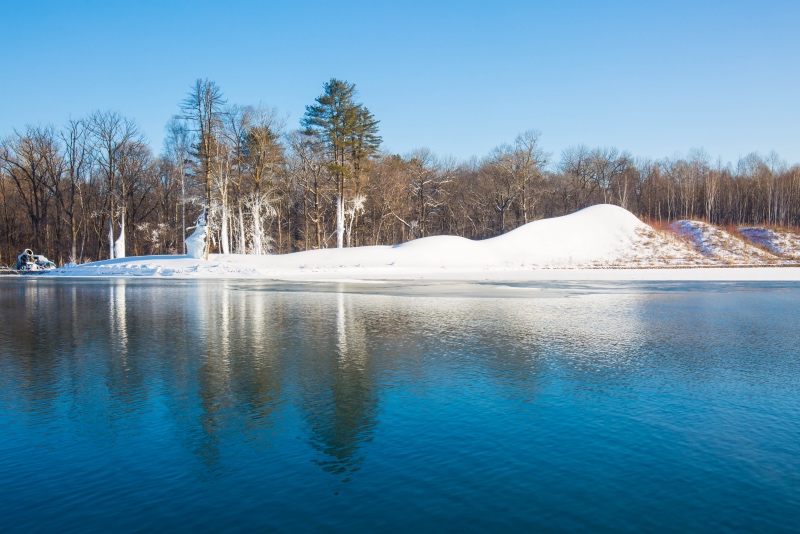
196, 243
119, 246
598, 243
599, 236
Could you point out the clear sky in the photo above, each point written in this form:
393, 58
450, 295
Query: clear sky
653, 78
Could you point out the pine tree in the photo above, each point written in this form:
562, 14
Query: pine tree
349, 132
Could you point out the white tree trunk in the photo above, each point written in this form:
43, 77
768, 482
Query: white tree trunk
257, 226
119, 246
111, 237
183, 208
242, 236
340, 222
224, 240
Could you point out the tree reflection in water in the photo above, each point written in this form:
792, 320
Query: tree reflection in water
194, 404
235, 367
339, 400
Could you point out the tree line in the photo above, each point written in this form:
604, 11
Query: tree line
94, 189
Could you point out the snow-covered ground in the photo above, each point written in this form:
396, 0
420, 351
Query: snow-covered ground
598, 243
781, 243
719, 247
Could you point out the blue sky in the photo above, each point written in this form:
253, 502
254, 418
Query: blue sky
653, 78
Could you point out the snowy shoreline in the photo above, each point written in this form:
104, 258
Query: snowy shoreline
598, 243
173, 269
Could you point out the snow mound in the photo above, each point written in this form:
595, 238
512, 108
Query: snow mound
598, 236
782, 243
720, 246
442, 251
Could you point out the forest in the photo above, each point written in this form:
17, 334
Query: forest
94, 189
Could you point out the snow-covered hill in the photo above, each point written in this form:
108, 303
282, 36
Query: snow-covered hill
599, 236
602, 236
720, 247
782, 243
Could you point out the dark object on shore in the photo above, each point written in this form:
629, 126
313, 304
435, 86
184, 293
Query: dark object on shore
28, 262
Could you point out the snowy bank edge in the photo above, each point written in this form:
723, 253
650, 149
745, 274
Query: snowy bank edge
196, 270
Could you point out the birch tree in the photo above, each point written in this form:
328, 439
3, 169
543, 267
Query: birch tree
203, 108
177, 148
237, 123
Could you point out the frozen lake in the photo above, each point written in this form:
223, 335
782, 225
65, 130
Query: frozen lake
244, 405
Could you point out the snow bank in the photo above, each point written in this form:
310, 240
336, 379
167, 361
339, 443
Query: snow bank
559, 248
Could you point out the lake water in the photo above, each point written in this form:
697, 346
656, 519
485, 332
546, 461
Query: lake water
233, 405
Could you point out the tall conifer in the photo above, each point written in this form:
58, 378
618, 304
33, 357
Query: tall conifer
349, 132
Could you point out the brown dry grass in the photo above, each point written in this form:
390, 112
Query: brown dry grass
760, 246
661, 226
664, 223
730, 228
656, 224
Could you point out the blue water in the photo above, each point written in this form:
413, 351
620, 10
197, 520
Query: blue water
201, 406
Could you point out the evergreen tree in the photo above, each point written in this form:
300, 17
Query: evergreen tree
349, 133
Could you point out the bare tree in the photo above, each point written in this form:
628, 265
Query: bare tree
522, 162
265, 156
78, 159
33, 161
115, 138
203, 108
576, 164
236, 125
177, 148
308, 163
427, 179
